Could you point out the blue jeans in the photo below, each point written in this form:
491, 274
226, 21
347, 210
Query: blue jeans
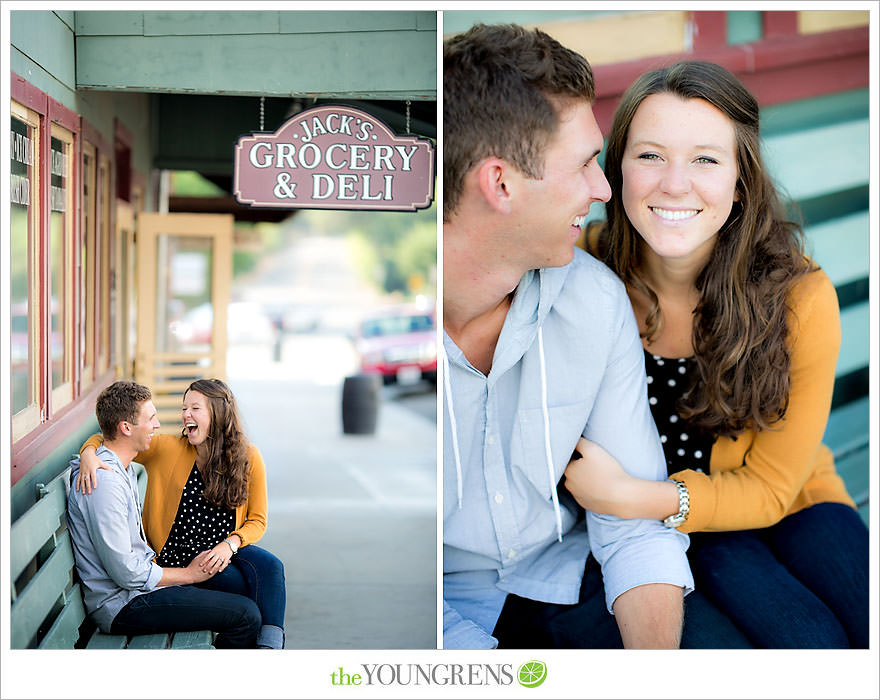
531, 624
800, 584
258, 574
235, 618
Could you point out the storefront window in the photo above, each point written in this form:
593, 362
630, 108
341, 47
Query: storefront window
24, 227
60, 267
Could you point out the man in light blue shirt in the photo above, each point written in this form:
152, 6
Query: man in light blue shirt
124, 590
540, 347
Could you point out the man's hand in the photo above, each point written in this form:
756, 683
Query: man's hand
199, 568
181, 576
598, 482
650, 616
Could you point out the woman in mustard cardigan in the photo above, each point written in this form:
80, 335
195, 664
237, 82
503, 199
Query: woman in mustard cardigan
741, 334
206, 491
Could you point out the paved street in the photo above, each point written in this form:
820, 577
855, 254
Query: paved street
353, 517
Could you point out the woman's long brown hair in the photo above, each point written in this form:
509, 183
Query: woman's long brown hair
226, 471
740, 329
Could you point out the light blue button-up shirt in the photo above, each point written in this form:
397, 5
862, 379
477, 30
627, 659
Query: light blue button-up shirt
113, 559
504, 537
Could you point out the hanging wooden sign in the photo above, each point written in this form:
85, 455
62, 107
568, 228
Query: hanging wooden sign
334, 158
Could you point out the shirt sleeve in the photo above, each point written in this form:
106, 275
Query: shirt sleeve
632, 552
106, 516
460, 633
760, 491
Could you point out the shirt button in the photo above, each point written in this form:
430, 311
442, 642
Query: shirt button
511, 554
490, 439
499, 498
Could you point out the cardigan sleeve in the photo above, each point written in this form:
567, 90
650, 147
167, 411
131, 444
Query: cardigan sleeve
95, 441
148, 457
256, 508
759, 491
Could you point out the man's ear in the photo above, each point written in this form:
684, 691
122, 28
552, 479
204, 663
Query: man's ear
124, 428
493, 180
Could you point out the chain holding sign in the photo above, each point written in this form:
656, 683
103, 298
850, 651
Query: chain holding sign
334, 158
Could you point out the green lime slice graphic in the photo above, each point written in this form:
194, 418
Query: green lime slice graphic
532, 673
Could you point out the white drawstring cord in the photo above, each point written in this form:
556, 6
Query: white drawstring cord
548, 452
452, 427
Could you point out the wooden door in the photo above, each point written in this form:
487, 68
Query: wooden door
184, 274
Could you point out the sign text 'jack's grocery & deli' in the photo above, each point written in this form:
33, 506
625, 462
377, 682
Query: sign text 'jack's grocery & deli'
334, 158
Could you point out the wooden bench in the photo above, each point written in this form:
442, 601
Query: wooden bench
47, 603
823, 170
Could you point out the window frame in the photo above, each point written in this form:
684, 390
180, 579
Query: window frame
64, 392
88, 242
98, 244
30, 416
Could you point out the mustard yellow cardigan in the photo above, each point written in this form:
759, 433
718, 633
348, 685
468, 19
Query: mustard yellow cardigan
760, 477
169, 461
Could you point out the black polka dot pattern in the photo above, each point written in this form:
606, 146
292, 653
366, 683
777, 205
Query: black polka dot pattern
684, 447
198, 525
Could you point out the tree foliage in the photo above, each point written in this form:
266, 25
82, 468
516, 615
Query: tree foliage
395, 251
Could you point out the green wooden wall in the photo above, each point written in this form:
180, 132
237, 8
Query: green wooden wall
356, 55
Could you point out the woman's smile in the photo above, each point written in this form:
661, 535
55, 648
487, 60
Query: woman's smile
679, 175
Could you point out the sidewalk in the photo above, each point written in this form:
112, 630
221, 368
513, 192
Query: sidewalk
353, 517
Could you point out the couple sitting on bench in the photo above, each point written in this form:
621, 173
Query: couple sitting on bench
204, 508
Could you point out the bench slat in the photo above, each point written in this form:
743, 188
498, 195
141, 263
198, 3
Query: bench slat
854, 350
99, 640
38, 524
149, 641
182, 640
841, 247
64, 632
853, 469
47, 585
847, 428
193, 640
793, 158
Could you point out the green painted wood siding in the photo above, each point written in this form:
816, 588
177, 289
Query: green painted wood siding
48, 40
356, 55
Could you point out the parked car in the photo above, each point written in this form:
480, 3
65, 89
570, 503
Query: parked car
399, 343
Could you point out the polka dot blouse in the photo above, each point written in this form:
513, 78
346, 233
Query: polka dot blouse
668, 379
198, 525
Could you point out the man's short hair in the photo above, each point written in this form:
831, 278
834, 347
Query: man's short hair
121, 401
500, 83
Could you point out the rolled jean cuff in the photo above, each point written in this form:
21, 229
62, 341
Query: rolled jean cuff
271, 636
